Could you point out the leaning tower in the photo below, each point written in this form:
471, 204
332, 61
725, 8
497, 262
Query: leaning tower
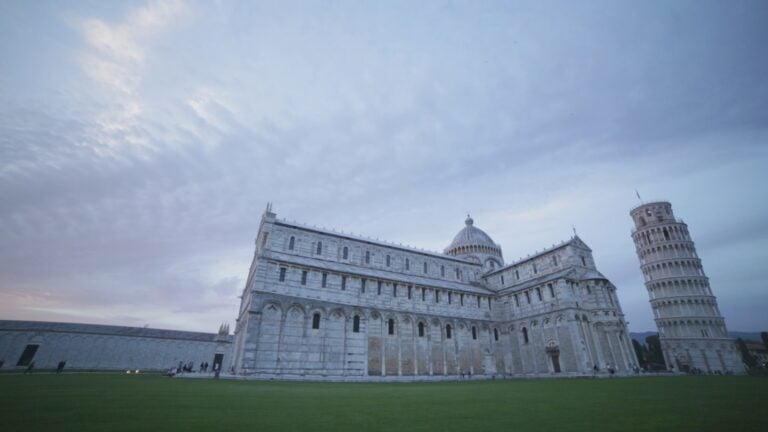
691, 330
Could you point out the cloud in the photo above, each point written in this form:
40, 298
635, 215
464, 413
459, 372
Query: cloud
132, 188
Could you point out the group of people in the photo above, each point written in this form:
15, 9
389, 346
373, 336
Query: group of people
189, 368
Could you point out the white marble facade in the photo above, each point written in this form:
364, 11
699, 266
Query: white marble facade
321, 304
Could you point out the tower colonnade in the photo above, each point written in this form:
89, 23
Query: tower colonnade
692, 331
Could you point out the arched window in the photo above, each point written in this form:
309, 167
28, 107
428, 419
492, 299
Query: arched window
425, 266
442, 271
407, 264
474, 333
448, 331
391, 326
421, 329
525, 335
319, 248
356, 324
388, 261
292, 243
496, 334
345, 253
316, 321
367, 257
666, 234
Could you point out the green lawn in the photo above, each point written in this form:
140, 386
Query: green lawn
148, 403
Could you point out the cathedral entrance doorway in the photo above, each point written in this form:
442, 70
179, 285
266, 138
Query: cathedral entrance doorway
218, 359
553, 351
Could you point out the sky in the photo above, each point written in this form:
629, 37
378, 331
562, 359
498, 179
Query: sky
140, 141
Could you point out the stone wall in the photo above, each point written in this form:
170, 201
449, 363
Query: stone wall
100, 347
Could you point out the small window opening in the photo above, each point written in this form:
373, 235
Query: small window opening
316, 321
345, 253
304, 277
448, 331
27, 355
319, 250
356, 324
325, 280
421, 329
291, 243
391, 326
282, 273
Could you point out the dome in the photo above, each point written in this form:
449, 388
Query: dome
472, 241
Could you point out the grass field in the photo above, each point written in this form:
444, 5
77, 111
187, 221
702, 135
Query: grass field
116, 402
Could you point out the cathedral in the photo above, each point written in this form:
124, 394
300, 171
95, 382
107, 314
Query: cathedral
320, 304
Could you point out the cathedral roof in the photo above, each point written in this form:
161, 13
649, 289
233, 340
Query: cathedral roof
470, 235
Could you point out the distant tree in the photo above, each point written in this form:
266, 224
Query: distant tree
655, 355
746, 357
641, 352
764, 336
